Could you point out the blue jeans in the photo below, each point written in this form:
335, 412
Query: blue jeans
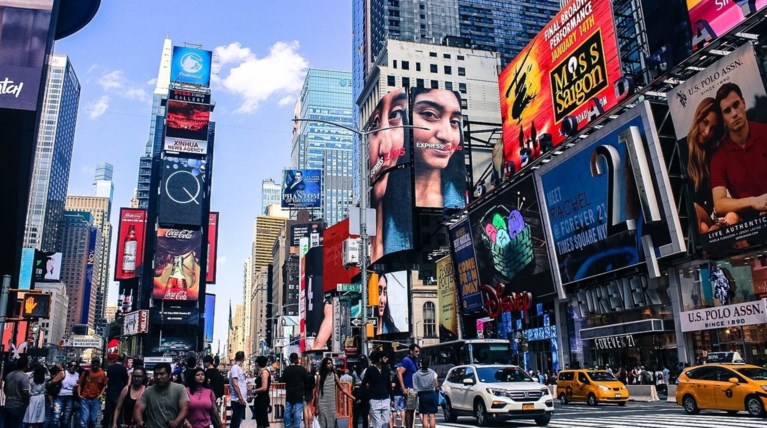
89, 411
62, 412
12, 418
293, 414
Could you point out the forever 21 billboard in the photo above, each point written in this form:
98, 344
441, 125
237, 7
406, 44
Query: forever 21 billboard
182, 191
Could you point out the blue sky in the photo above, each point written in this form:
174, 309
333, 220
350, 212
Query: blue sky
264, 49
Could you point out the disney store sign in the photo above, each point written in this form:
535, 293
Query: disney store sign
739, 314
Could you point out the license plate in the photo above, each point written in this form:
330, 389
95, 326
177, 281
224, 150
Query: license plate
528, 406
617, 396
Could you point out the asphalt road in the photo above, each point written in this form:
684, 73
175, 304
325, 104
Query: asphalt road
634, 414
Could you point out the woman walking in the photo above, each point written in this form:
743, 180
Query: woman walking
202, 410
261, 401
325, 394
130, 394
34, 417
311, 381
426, 385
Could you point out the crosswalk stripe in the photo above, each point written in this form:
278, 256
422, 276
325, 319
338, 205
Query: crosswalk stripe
631, 421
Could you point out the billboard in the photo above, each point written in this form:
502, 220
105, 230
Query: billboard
24, 40
715, 113
210, 316
93, 233
190, 66
47, 267
607, 201
438, 156
391, 193
447, 299
196, 97
465, 264
312, 230
177, 264
131, 233
212, 254
182, 191
333, 264
302, 188
315, 299
187, 120
712, 18
393, 296
178, 145
136, 322
26, 268
510, 245
128, 294
174, 313
563, 79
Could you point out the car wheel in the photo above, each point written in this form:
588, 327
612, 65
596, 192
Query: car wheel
480, 412
690, 405
447, 410
592, 400
543, 421
754, 406
563, 399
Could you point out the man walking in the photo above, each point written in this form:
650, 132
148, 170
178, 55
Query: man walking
239, 390
91, 387
165, 403
16, 388
405, 372
294, 377
213, 377
117, 379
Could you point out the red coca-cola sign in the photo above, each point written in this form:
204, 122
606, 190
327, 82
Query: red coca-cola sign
177, 268
496, 300
176, 295
179, 234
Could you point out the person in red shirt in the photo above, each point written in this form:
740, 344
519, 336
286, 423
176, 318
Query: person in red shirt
739, 166
91, 387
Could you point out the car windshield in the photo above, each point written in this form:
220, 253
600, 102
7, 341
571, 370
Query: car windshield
491, 353
755, 373
502, 374
601, 376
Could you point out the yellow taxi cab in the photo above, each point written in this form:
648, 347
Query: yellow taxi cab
591, 386
725, 386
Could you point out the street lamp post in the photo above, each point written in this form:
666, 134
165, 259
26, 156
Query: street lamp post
363, 135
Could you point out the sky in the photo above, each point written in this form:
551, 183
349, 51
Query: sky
263, 48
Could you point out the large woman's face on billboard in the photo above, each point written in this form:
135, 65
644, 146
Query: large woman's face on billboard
388, 145
437, 128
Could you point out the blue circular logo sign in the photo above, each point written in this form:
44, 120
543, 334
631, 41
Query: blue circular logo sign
191, 62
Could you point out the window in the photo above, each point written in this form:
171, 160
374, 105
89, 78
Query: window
449, 86
433, 54
448, 69
462, 88
394, 63
390, 81
406, 65
419, 83
461, 71
460, 57
433, 68
464, 103
418, 66
434, 84
406, 82
429, 320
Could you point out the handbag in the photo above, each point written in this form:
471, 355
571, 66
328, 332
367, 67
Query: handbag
440, 398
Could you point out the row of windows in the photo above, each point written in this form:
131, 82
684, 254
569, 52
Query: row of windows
420, 83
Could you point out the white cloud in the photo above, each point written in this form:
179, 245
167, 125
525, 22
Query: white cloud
115, 82
255, 80
221, 260
99, 107
286, 101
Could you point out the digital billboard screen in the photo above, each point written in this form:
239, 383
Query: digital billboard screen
712, 18
130, 243
438, 156
190, 66
197, 97
302, 188
212, 254
185, 145
24, 40
210, 316
333, 248
313, 231
447, 300
176, 313
315, 298
89, 283
466, 269
510, 244
719, 117
177, 264
607, 201
391, 193
26, 267
564, 78
182, 191
393, 296
187, 120
47, 266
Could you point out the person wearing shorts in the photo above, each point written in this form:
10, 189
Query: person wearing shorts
405, 372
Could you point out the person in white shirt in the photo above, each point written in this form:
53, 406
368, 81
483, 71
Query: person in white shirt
63, 403
238, 387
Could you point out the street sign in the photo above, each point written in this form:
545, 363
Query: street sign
348, 288
358, 321
85, 342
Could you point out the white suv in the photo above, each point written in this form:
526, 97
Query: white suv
495, 391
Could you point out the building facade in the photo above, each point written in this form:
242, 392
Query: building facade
265, 230
52, 329
53, 155
102, 182
271, 194
326, 95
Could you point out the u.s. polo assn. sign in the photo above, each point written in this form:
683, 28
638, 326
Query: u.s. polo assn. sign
739, 314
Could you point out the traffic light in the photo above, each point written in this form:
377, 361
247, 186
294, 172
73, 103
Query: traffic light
36, 305
373, 289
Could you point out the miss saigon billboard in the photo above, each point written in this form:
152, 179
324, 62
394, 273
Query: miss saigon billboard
565, 77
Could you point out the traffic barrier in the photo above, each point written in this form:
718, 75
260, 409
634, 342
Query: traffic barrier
642, 393
226, 407
671, 394
344, 407
277, 402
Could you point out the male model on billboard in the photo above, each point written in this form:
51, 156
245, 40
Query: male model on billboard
738, 168
297, 184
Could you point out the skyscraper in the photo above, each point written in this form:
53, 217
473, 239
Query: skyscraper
102, 182
81, 246
53, 155
326, 95
270, 194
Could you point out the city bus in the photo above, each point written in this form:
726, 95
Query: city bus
444, 356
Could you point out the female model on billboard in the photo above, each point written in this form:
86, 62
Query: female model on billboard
440, 174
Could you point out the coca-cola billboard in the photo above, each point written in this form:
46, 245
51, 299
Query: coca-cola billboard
130, 243
212, 254
177, 264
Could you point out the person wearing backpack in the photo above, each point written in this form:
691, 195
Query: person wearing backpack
213, 378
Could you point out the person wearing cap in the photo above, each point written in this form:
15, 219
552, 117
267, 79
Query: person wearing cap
294, 377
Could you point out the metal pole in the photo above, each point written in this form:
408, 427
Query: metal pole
363, 239
4, 301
